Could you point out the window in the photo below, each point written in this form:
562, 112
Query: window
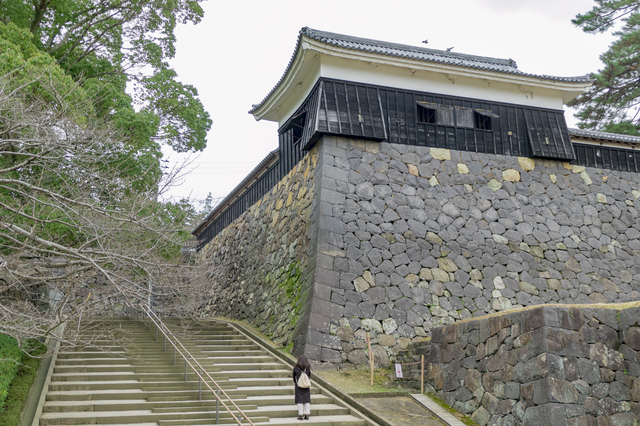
547, 134
482, 119
426, 115
458, 116
296, 127
431, 113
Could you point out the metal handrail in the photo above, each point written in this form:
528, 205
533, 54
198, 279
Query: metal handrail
164, 330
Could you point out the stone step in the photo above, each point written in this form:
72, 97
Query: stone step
139, 399
228, 353
322, 414
242, 358
134, 417
132, 375
143, 415
80, 355
149, 395
140, 368
94, 361
249, 392
136, 382
130, 384
235, 347
179, 417
340, 420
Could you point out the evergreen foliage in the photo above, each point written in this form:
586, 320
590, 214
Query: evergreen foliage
80, 179
612, 102
117, 47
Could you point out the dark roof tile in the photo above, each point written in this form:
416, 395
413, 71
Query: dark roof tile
605, 136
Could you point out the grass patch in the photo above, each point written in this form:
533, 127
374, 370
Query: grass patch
18, 391
357, 381
463, 418
10, 358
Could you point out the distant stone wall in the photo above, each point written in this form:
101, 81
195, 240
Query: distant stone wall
410, 237
258, 268
550, 365
394, 239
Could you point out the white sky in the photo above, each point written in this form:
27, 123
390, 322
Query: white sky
239, 51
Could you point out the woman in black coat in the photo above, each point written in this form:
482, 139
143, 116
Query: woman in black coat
303, 395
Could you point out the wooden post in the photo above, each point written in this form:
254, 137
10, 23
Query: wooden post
422, 376
370, 357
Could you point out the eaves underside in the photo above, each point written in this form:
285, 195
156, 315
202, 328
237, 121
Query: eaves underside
453, 70
412, 65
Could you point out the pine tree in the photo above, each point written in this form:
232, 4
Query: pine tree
612, 103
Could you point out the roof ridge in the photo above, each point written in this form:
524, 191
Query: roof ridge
597, 134
316, 34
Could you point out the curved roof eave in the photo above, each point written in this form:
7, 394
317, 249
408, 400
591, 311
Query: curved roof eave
604, 136
405, 55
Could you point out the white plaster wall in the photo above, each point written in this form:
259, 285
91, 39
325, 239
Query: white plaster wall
433, 82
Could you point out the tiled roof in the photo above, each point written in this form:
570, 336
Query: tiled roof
593, 134
507, 66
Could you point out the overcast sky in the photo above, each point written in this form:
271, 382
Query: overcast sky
239, 51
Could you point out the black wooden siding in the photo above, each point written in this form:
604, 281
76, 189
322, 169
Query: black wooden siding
391, 115
349, 109
604, 157
251, 196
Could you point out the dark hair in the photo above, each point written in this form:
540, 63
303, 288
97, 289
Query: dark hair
303, 363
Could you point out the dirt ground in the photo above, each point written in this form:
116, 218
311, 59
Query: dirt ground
394, 405
400, 411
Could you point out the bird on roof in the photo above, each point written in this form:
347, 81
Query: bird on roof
449, 48
425, 41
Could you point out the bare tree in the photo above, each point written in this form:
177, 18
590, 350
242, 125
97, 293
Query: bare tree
82, 226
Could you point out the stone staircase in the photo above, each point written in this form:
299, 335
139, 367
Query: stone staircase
136, 382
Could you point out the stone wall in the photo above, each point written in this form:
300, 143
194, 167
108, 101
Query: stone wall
258, 268
550, 365
394, 239
411, 237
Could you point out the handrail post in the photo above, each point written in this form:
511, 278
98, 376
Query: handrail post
185, 367
218, 407
174, 356
422, 375
200, 387
164, 348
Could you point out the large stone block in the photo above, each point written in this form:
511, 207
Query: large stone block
323, 340
320, 323
328, 309
331, 355
605, 357
632, 337
589, 371
545, 365
557, 341
550, 389
540, 317
547, 414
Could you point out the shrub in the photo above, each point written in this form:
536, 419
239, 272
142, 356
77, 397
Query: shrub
10, 359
